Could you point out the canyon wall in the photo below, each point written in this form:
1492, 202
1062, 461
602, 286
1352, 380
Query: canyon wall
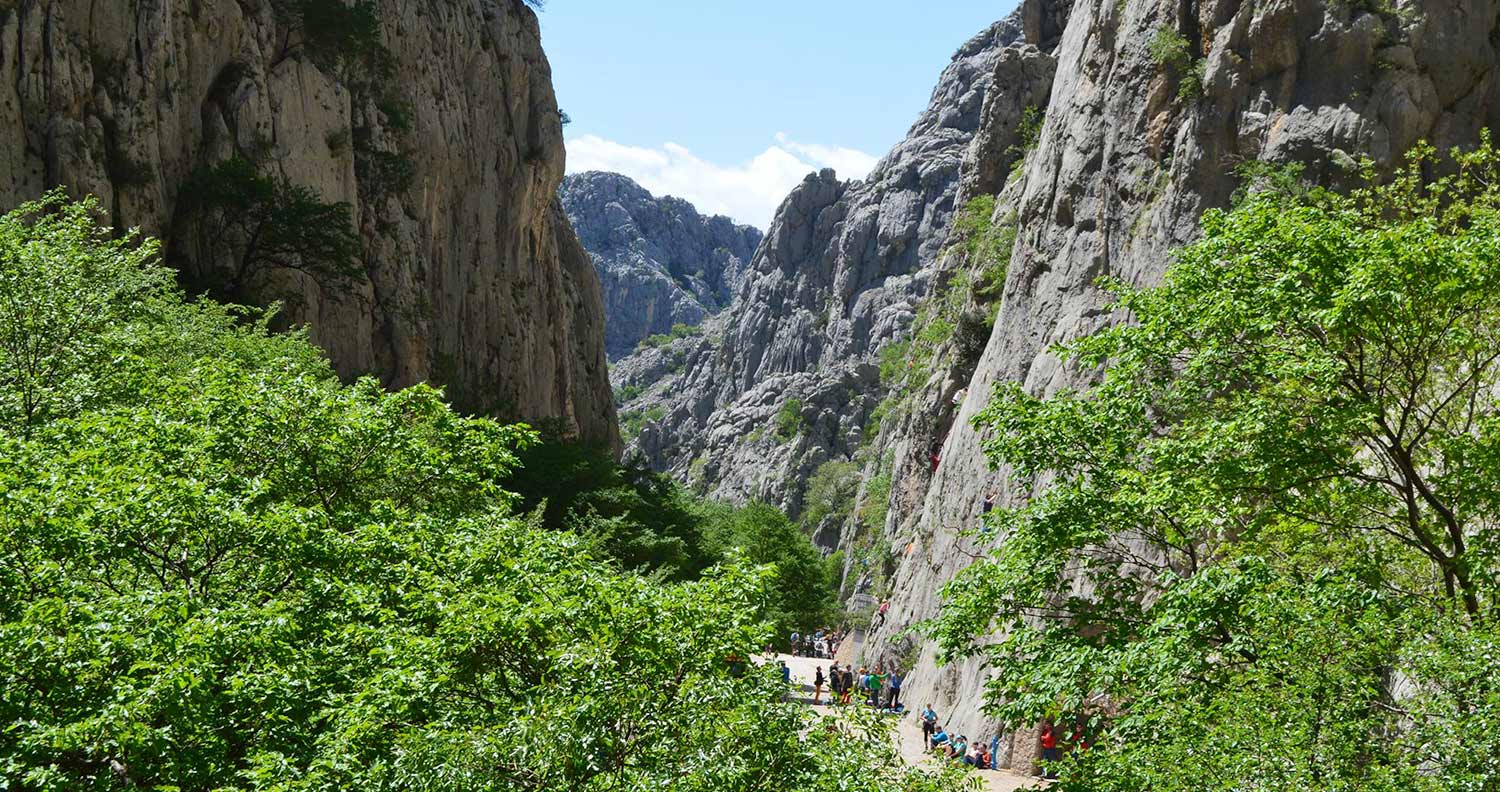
1139, 139
431, 123
837, 278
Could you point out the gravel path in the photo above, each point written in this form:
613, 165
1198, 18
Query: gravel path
805, 668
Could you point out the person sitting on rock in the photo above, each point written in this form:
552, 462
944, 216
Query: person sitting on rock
981, 758
959, 749
940, 739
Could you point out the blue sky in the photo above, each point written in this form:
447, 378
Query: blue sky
729, 103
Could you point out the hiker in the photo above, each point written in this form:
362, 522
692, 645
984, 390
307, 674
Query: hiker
848, 685
1078, 742
1049, 751
959, 749
877, 681
989, 503
981, 759
795, 637
929, 724
893, 700
818, 686
939, 739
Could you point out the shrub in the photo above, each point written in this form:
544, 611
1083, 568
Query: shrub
876, 505
336, 32
1028, 134
262, 224
788, 421
830, 493
383, 173
1169, 49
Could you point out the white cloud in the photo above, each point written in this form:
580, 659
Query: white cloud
749, 192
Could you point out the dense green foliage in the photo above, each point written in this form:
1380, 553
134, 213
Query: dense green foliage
1261, 553
801, 592
222, 569
678, 331
830, 493
640, 518
339, 33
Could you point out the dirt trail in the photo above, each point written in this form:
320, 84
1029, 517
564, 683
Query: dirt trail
803, 671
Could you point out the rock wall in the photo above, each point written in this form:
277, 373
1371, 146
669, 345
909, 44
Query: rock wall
660, 262
1130, 156
443, 138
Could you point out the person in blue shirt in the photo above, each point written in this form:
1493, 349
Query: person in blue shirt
959, 749
929, 724
939, 739
893, 698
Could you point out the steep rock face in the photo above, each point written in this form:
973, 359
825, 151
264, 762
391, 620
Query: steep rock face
1126, 163
445, 144
787, 377
660, 262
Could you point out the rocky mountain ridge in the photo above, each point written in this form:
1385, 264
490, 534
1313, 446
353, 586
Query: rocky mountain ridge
238, 130
836, 279
660, 262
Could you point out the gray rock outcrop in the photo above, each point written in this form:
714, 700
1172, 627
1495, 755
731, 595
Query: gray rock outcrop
660, 262
442, 136
787, 376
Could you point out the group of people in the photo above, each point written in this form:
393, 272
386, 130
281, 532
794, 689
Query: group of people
953, 747
877, 688
824, 643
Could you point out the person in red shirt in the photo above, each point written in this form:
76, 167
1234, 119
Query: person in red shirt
1049, 751
1078, 741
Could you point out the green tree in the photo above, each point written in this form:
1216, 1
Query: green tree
801, 594
66, 285
1260, 551
641, 518
262, 224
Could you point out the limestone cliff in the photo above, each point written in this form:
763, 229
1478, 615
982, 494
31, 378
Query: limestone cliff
432, 121
1137, 142
660, 262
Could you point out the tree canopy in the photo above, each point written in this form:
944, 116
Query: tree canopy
1260, 552
223, 569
